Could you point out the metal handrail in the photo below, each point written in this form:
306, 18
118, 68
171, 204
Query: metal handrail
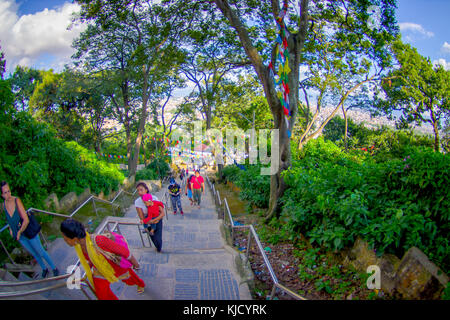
100, 229
92, 197
30, 292
276, 283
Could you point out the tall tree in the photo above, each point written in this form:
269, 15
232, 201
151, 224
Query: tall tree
23, 81
245, 16
417, 89
342, 66
137, 40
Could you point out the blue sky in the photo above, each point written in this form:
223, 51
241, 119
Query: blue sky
33, 32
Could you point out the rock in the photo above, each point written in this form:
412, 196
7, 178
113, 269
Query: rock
18, 252
129, 182
101, 195
52, 202
361, 256
350, 297
85, 195
156, 185
69, 201
388, 264
418, 277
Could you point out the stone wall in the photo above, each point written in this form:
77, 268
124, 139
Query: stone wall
71, 201
412, 277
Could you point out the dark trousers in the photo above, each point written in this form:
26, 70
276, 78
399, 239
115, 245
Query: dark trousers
197, 195
157, 236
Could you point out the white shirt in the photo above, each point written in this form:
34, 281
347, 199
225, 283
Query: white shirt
139, 203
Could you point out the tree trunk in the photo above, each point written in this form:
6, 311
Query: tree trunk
142, 119
295, 46
346, 127
277, 184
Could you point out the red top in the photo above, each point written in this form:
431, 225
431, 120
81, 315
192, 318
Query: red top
197, 182
109, 245
153, 211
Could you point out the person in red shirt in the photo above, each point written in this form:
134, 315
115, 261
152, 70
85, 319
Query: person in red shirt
198, 186
74, 235
154, 209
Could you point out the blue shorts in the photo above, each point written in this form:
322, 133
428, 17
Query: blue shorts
189, 193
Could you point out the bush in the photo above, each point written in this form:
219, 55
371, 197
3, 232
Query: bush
332, 198
254, 187
155, 170
35, 163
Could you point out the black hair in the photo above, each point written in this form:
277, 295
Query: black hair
142, 184
73, 229
2, 184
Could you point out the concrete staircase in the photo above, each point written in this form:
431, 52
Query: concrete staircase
195, 262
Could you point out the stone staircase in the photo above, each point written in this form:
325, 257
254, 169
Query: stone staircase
195, 262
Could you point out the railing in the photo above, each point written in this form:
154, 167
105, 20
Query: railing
226, 215
84, 283
91, 198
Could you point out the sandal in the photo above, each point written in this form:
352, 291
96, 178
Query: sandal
140, 290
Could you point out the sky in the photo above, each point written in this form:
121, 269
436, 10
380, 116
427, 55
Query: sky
35, 33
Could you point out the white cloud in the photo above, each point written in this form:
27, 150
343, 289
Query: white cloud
446, 47
442, 62
44, 34
415, 29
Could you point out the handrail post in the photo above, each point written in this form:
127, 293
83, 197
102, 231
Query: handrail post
140, 234
248, 243
95, 207
44, 238
272, 294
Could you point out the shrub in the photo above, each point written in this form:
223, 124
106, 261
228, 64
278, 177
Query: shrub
332, 199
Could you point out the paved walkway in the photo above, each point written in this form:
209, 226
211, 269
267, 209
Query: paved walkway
195, 262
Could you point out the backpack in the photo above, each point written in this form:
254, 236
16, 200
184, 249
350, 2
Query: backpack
117, 259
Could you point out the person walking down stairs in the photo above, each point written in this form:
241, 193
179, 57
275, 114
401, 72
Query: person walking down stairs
198, 187
25, 229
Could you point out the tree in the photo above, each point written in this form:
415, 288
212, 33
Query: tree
417, 89
342, 64
23, 82
246, 16
6, 96
213, 53
137, 41
56, 100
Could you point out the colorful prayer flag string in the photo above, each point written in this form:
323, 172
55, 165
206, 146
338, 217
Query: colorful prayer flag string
281, 85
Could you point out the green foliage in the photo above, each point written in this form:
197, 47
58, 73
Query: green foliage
35, 163
383, 143
254, 187
417, 88
157, 169
333, 198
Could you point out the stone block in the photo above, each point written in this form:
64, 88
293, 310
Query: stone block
129, 182
361, 256
85, 195
52, 202
68, 202
418, 277
388, 264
